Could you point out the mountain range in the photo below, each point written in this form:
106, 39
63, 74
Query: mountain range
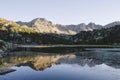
42, 31
44, 26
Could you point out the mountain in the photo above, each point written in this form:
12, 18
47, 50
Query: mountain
80, 27
43, 26
41, 31
83, 27
112, 24
20, 34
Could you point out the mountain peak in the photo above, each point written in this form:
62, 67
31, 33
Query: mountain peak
39, 19
112, 24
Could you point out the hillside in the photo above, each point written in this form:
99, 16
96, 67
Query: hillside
10, 26
103, 36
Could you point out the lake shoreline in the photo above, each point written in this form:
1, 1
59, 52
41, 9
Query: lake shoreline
82, 46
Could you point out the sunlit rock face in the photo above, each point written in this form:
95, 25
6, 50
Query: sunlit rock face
44, 26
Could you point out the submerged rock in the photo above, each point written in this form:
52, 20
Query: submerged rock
5, 71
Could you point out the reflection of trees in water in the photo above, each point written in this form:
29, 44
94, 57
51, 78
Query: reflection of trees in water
52, 49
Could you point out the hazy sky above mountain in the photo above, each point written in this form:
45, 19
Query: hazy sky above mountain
62, 11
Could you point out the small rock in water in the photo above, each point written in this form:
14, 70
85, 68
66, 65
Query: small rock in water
5, 71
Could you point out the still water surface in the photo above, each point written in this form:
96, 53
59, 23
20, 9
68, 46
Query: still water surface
90, 64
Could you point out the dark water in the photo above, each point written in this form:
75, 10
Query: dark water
89, 64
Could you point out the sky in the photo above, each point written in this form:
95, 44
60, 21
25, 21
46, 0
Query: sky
62, 11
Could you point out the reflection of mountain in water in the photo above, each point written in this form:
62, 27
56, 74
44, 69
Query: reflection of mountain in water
95, 58
41, 61
36, 62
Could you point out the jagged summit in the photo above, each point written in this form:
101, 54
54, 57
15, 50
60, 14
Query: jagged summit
44, 26
40, 20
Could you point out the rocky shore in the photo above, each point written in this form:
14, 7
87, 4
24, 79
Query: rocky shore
6, 47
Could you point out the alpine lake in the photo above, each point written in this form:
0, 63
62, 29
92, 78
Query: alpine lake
63, 64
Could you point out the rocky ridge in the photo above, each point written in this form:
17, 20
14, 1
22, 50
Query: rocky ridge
44, 26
